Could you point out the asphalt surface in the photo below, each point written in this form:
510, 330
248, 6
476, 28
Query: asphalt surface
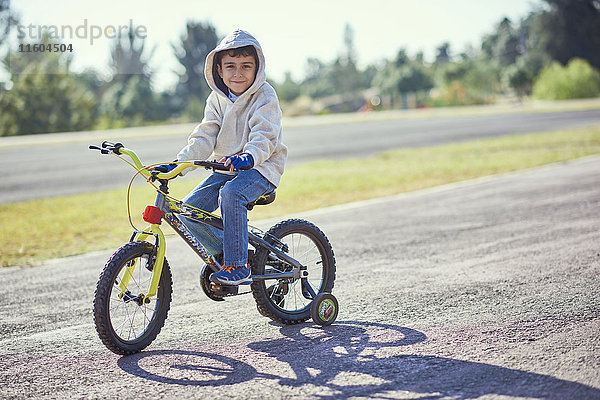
31, 171
482, 290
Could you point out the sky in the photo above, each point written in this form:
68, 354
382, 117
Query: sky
289, 32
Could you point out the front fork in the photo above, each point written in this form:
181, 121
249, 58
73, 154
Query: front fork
157, 259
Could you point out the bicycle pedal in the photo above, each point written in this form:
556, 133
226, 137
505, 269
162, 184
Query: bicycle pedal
224, 290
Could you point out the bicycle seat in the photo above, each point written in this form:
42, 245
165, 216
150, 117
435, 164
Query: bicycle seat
262, 200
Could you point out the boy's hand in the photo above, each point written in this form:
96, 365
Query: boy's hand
238, 162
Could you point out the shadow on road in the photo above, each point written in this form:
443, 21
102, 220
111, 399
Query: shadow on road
181, 367
352, 358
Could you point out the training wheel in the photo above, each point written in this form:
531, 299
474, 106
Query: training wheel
324, 309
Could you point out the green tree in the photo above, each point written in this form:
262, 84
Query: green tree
128, 98
349, 56
403, 76
568, 29
8, 19
316, 83
576, 80
522, 73
342, 76
500, 51
198, 40
45, 96
442, 55
288, 90
133, 102
470, 79
502, 46
128, 58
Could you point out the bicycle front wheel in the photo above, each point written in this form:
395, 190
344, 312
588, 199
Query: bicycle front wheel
126, 323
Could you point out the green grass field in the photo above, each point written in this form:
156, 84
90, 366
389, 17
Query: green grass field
37, 230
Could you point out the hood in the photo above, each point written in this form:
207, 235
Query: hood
237, 38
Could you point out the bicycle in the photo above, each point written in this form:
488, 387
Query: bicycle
292, 264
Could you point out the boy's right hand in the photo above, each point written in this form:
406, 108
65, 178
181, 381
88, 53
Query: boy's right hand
238, 162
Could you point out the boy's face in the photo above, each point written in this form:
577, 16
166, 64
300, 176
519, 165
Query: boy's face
237, 72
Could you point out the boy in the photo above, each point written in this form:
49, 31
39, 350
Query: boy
241, 127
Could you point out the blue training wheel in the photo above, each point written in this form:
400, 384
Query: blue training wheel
324, 309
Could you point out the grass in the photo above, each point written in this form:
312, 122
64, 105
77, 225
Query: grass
37, 230
181, 130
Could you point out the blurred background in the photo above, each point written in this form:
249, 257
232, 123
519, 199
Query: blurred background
141, 63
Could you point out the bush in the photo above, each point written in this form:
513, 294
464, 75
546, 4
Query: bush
577, 80
456, 94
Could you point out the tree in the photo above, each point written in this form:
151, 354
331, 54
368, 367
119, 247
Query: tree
443, 54
402, 58
45, 96
340, 77
8, 19
288, 90
128, 97
128, 59
568, 29
522, 73
350, 55
402, 76
502, 46
195, 44
133, 102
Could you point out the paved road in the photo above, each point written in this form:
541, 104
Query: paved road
43, 171
482, 290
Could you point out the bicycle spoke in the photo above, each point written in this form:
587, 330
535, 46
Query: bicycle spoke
146, 319
318, 256
131, 327
131, 318
119, 329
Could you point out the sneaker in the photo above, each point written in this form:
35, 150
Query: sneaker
232, 275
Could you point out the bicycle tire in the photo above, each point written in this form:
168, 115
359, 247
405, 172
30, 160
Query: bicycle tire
108, 306
271, 299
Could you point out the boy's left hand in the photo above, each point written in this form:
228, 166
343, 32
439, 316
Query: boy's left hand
238, 162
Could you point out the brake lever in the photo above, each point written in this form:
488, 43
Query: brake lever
110, 146
103, 151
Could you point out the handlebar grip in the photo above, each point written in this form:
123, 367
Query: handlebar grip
212, 165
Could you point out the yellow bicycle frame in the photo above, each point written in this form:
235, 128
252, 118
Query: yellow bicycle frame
153, 230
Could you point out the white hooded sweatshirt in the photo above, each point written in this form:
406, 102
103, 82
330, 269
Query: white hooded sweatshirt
250, 125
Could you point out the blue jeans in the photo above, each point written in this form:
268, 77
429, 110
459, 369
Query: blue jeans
230, 193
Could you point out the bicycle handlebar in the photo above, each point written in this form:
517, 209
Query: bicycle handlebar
119, 149
212, 165
107, 147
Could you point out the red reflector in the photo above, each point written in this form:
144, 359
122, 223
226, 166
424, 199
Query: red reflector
152, 214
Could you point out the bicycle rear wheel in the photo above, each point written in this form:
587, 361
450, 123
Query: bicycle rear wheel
125, 323
288, 300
